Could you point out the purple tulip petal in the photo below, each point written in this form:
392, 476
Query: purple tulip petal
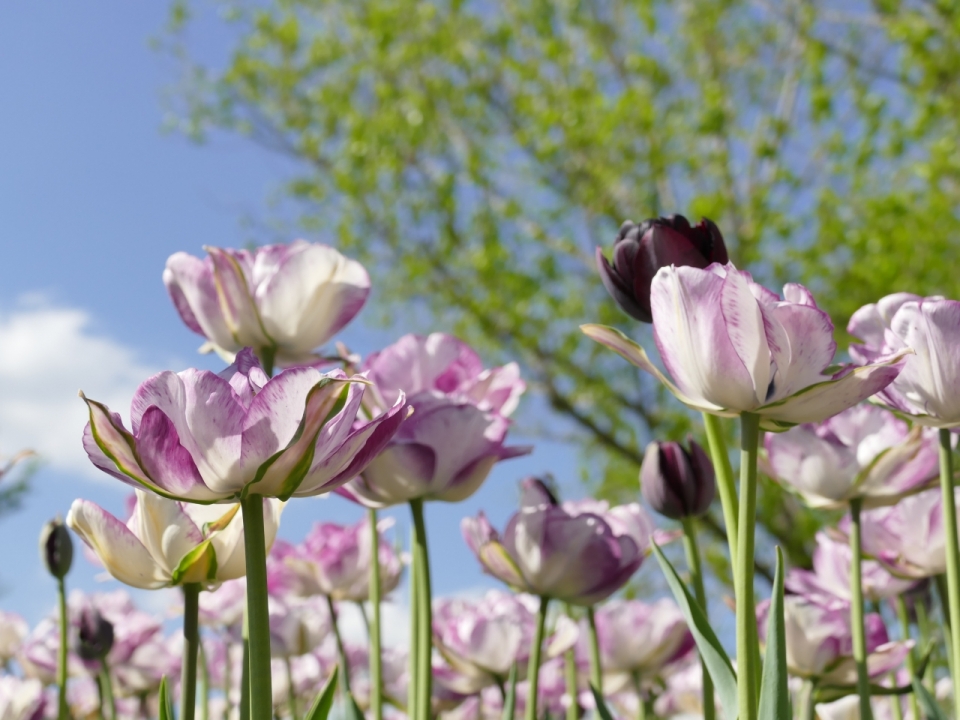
809, 348
236, 301
401, 472
166, 460
745, 329
189, 281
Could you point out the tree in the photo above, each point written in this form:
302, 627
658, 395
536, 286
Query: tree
474, 154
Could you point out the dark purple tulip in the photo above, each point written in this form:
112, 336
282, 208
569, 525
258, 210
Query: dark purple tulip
641, 250
677, 482
95, 637
56, 548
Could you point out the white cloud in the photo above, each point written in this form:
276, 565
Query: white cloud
47, 354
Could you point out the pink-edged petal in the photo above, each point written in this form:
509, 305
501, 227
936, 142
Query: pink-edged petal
402, 472
823, 400
477, 532
745, 329
497, 561
236, 301
208, 418
165, 529
189, 281
122, 554
691, 332
312, 294
809, 348
100, 460
166, 461
636, 355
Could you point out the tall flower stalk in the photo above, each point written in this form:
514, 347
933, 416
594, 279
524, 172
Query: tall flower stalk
692, 552
747, 666
191, 647
533, 667
596, 670
258, 617
376, 662
726, 487
953, 558
856, 612
424, 675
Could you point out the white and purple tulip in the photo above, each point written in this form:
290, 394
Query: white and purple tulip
580, 553
206, 437
861, 453
457, 431
282, 300
732, 346
641, 638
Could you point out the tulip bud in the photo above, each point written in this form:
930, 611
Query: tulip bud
56, 548
675, 482
95, 637
641, 250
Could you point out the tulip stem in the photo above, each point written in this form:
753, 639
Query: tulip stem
856, 611
204, 684
63, 712
904, 617
807, 705
373, 630
291, 690
191, 645
244, 709
696, 580
533, 666
596, 669
108, 706
725, 484
923, 629
424, 676
747, 652
258, 617
570, 676
953, 559
641, 701
412, 698
341, 650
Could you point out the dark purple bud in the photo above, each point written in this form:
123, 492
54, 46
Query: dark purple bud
56, 548
641, 250
676, 482
95, 637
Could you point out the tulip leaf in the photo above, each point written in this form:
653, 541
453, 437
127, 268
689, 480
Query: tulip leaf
712, 652
353, 711
602, 710
931, 708
510, 702
774, 694
166, 705
323, 703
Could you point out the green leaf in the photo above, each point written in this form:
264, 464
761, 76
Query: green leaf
321, 706
602, 710
353, 711
712, 652
510, 702
166, 705
928, 702
202, 553
774, 694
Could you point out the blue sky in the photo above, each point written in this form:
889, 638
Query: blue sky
94, 197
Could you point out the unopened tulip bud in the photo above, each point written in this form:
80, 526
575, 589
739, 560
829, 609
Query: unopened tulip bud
95, 637
56, 548
641, 250
676, 482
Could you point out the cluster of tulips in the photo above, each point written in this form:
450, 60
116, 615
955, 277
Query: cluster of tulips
213, 458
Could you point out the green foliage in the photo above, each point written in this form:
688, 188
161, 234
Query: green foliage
474, 154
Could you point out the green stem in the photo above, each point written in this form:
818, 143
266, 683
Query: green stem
747, 653
696, 579
596, 669
947, 622
376, 671
63, 711
191, 645
258, 618
227, 679
570, 676
725, 484
897, 706
904, 618
807, 704
533, 667
856, 612
267, 357
245, 670
291, 690
953, 559
424, 676
341, 650
204, 685
108, 705
923, 628
641, 701
413, 710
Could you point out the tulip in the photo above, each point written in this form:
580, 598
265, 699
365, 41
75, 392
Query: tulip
820, 642
334, 560
677, 482
862, 453
641, 250
682, 695
580, 553
297, 625
829, 582
204, 437
13, 631
732, 347
282, 300
21, 699
95, 637
56, 548
483, 639
223, 606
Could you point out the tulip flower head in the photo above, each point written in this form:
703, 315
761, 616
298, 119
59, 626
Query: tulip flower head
732, 346
580, 553
641, 638
928, 389
56, 548
458, 430
21, 699
13, 631
676, 482
167, 542
95, 636
282, 300
862, 453
204, 437
641, 250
